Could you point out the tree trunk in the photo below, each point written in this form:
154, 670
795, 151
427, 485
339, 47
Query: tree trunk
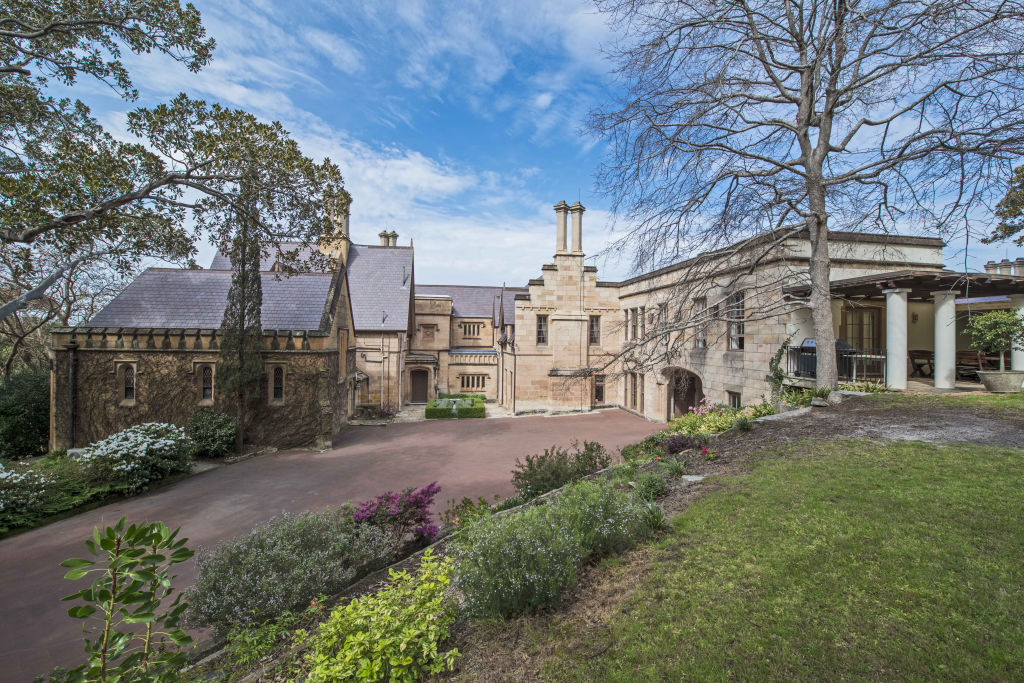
821, 292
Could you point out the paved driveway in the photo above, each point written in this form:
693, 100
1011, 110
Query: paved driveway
467, 457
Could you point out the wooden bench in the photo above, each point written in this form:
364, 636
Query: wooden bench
968, 363
922, 362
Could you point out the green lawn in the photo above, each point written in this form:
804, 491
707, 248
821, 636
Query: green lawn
854, 560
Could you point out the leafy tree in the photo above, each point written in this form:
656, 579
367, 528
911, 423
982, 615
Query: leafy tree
71, 194
748, 116
240, 368
997, 332
1010, 211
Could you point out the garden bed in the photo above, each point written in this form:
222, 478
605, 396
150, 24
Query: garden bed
459, 406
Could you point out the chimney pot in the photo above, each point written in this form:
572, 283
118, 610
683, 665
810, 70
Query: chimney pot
1018, 266
561, 213
384, 237
990, 267
1005, 267
392, 239
577, 227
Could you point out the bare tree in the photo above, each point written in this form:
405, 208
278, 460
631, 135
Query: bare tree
747, 116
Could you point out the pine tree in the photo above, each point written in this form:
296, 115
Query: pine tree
240, 368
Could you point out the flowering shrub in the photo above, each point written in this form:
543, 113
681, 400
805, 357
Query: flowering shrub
867, 386
281, 565
390, 635
555, 467
605, 520
706, 418
401, 514
677, 443
138, 455
22, 490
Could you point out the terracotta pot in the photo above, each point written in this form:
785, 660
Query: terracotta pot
1007, 382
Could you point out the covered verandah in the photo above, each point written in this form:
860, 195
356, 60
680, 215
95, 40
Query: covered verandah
909, 323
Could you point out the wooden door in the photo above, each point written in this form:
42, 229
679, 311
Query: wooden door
418, 386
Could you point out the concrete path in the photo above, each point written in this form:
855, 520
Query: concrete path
466, 457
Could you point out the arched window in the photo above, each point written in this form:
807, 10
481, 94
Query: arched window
278, 384
207, 379
129, 383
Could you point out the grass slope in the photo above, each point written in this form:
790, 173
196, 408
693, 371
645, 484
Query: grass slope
858, 560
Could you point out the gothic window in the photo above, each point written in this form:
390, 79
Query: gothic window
275, 392
127, 383
206, 383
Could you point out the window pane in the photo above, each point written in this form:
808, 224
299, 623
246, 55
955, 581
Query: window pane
129, 383
207, 383
278, 383
542, 329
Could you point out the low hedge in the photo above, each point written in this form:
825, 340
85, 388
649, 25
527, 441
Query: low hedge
479, 396
476, 409
439, 409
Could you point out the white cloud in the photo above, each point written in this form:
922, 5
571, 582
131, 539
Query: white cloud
341, 54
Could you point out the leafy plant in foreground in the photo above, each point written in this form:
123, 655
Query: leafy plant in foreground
131, 582
212, 433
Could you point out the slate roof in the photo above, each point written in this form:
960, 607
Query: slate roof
380, 280
175, 298
222, 262
476, 302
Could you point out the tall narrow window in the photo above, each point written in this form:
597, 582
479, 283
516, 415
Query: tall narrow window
278, 384
643, 321
736, 314
542, 329
595, 330
129, 383
207, 383
700, 332
634, 323
598, 390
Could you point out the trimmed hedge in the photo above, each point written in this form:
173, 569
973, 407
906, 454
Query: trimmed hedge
476, 409
479, 396
439, 409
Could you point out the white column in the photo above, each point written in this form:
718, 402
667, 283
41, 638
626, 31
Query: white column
1017, 355
944, 366
896, 338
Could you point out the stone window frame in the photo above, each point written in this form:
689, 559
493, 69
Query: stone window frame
272, 370
700, 332
600, 388
594, 330
473, 381
200, 368
735, 313
735, 399
120, 368
542, 329
471, 330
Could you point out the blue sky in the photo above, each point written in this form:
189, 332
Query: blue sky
456, 124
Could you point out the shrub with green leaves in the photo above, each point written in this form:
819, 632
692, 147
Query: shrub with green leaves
281, 565
520, 562
213, 434
997, 332
650, 486
523, 561
439, 409
393, 634
475, 409
131, 585
24, 415
537, 474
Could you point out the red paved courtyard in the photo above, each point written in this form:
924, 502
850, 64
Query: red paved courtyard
466, 457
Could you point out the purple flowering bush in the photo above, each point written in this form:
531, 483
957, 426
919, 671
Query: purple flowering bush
403, 514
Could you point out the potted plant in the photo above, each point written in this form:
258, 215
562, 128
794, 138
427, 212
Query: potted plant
999, 332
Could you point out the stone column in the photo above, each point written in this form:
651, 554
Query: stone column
561, 214
1017, 355
577, 227
896, 338
944, 366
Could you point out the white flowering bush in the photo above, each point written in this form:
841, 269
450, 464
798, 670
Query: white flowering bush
22, 490
138, 455
605, 519
282, 565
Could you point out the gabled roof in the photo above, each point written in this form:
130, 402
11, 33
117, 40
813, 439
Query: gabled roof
175, 298
475, 302
380, 283
221, 261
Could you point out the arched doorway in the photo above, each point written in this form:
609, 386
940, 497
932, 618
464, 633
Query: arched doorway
684, 390
418, 382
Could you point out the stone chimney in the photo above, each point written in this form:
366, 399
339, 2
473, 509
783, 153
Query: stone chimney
561, 212
1018, 266
392, 239
577, 227
1005, 267
991, 267
385, 237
